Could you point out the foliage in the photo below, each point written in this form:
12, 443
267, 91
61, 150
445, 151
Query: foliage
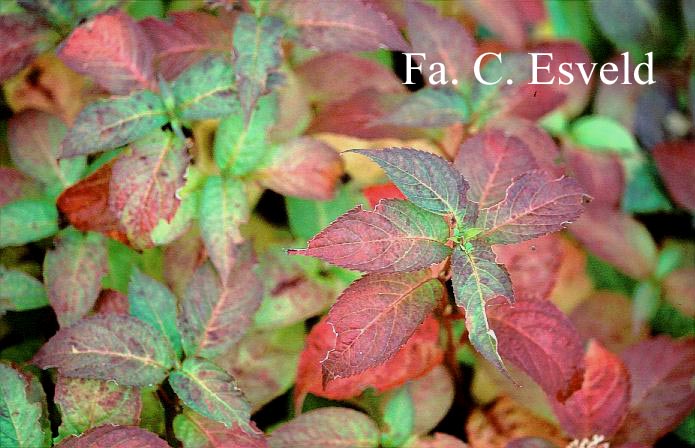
505, 265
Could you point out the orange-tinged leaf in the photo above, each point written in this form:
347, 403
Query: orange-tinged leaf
376, 193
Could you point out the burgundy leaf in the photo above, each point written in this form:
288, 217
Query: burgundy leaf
489, 161
144, 183
109, 436
73, 273
661, 372
22, 36
349, 25
534, 205
538, 141
599, 173
375, 317
442, 40
542, 342
396, 236
114, 50
676, 163
600, 406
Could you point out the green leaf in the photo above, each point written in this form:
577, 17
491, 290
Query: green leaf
27, 220
223, 208
167, 231
258, 53
206, 90
122, 259
398, 419
602, 133
113, 122
477, 279
241, 145
109, 347
210, 391
153, 303
644, 192
21, 417
20, 291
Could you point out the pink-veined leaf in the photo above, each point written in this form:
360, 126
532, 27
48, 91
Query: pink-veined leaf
110, 436
112, 49
23, 37
304, 167
347, 26
331, 426
86, 403
443, 40
541, 341
375, 317
427, 180
600, 406
419, 355
478, 279
196, 431
111, 347
676, 163
599, 173
490, 161
215, 313
535, 204
661, 373
184, 38
397, 236
73, 273
144, 184
210, 391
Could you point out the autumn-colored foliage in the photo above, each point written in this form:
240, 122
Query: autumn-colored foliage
255, 224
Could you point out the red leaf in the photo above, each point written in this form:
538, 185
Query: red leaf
112, 49
419, 355
376, 193
374, 317
184, 38
396, 237
490, 161
443, 40
86, 205
661, 371
600, 406
676, 163
533, 265
109, 436
600, 174
542, 342
21, 36
349, 25
112, 302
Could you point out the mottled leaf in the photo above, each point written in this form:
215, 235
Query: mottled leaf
206, 90
20, 291
216, 314
113, 122
112, 302
153, 303
477, 279
351, 25
542, 342
375, 317
196, 431
223, 208
396, 236
27, 220
258, 54
676, 163
600, 406
144, 184
64, 14
427, 180
119, 348
113, 50
110, 436
24, 37
185, 37
20, 416
534, 205
304, 167
444, 107
662, 394
14, 185
443, 40
85, 404
73, 273
490, 161
34, 139
332, 426
210, 391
